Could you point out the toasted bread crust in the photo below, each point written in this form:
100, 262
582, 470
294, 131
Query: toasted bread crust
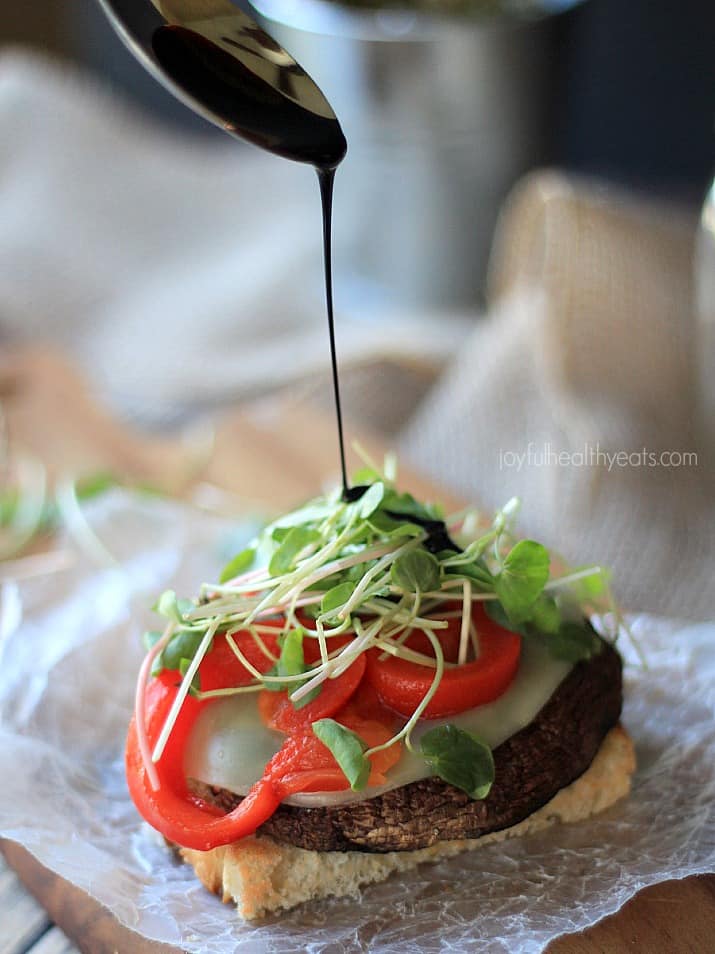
261, 875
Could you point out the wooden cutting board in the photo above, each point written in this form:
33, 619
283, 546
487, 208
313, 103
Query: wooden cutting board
270, 456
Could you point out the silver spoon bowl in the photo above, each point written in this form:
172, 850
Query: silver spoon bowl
215, 58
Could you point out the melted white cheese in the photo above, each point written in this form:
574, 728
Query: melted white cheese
229, 745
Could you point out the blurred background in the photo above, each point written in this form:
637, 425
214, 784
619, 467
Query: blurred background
520, 258
444, 116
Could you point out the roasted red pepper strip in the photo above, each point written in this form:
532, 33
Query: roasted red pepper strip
278, 712
172, 809
221, 668
302, 764
402, 685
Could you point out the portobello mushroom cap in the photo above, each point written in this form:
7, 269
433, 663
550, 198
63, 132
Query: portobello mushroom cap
531, 767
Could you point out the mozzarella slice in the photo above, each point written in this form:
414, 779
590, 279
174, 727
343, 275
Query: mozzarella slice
229, 744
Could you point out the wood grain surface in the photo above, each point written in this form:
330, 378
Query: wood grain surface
269, 456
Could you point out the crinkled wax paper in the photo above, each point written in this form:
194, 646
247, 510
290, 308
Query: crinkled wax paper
69, 656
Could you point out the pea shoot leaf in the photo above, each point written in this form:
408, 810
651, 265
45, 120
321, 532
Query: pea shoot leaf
151, 638
545, 614
239, 564
475, 572
371, 499
522, 578
405, 505
416, 571
172, 608
337, 596
297, 539
348, 750
496, 611
195, 682
308, 697
473, 552
459, 758
292, 663
386, 526
365, 475
279, 534
182, 645
573, 642
569, 640
309, 515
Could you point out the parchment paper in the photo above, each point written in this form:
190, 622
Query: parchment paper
69, 652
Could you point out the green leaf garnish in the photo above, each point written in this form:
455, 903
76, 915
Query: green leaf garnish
172, 608
546, 615
416, 572
405, 505
371, 499
365, 475
573, 642
348, 750
307, 698
239, 564
296, 540
567, 640
151, 638
291, 661
459, 758
475, 572
496, 611
182, 645
337, 596
279, 534
521, 580
386, 526
195, 682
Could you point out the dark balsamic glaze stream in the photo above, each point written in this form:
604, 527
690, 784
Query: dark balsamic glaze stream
232, 72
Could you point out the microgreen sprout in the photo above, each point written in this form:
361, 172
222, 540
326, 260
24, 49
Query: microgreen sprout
377, 569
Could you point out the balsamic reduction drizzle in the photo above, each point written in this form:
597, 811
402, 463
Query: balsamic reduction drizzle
326, 178
438, 537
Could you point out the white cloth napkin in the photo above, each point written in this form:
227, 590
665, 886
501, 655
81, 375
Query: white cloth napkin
176, 271
577, 394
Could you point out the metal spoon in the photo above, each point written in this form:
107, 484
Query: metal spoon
215, 58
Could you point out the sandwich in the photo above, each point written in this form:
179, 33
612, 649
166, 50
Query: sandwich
369, 686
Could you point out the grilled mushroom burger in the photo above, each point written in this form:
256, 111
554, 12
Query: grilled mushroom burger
369, 686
